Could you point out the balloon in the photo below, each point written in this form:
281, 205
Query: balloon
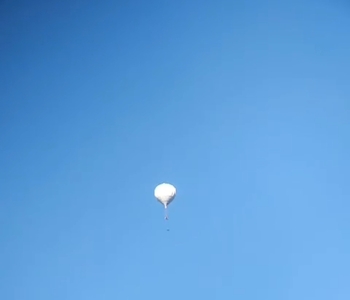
165, 193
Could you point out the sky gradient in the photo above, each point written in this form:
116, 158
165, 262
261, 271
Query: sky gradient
242, 105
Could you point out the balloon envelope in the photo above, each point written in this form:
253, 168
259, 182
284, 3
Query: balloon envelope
165, 193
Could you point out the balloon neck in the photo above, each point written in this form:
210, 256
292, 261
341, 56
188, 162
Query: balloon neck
165, 205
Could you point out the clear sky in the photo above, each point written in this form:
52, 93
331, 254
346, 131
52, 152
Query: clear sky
243, 105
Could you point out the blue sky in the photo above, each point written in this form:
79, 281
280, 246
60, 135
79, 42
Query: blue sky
242, 105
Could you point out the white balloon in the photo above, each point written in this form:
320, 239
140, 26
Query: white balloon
165, 193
